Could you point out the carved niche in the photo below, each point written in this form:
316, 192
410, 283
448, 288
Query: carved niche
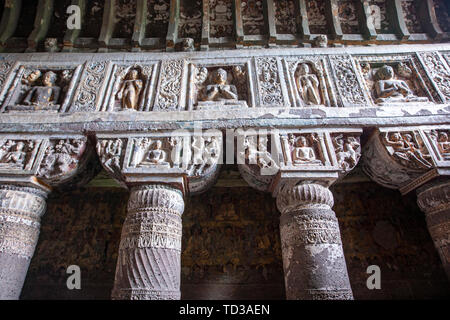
309, 82
42, 89
395, 80
408, 148
218, 86
18, 154
130, 88
439, 141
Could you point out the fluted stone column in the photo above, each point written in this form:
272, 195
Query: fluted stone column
313, 258
21, 209
434, 199
149, 265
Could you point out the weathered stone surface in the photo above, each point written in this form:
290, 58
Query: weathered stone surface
313, 258
21, 209
434, 199
148, 264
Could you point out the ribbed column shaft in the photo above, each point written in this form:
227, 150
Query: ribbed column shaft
434, 200
313, 258
21, 209
148, 264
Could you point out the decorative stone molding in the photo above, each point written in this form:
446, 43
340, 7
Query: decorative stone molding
434, 199
439, 73
21, 209
313, 258
148, 265
90, 91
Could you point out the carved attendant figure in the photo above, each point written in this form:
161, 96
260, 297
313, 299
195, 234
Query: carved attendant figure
46, 95
17, 156
406, 149
392, 90
444, 144
308, 85
220, 90
303, 153
130, 90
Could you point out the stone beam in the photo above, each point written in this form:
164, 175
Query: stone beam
302, 19
107, 23
139, 23
41, 24
428, 18
10, 19
238, 24
172, 31
332, 14
71, 35
395, 12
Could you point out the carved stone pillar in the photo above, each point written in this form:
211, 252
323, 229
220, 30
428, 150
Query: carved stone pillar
313, 258
21, 209
434, 199
149, 265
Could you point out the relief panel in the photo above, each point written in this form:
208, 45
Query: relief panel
130, 88
43, 88
309, 82
394, 80
218, 87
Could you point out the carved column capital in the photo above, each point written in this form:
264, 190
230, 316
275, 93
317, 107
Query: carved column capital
434, 197
405, 158
304, 196
186, 160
